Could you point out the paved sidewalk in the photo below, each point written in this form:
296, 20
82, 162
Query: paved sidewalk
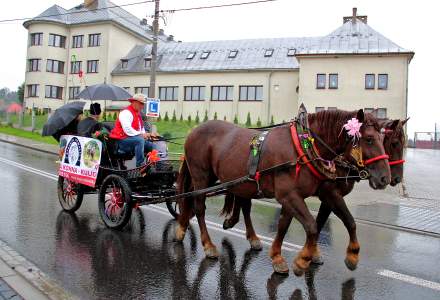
20, 279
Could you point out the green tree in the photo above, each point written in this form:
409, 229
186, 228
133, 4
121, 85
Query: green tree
272, 122
224, 118
235, 119
197, 118
205, 119
115, 116
181, 118
248, 120
166, 118
258, 122
20, 94
215, 116
174, 119
159, 118
189, 119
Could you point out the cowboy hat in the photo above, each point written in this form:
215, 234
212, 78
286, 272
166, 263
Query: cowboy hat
138, 97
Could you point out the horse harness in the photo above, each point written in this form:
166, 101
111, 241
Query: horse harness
304, 141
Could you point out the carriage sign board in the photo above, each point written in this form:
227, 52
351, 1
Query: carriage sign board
81, 159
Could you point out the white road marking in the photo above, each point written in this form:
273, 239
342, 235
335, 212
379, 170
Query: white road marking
410, 279
242, 234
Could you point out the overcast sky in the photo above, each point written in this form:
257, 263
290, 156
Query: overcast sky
411, 24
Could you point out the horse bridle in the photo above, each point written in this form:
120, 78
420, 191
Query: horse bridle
397, 161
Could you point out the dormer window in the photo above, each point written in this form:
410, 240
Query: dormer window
191, 55
291, 52
147, 62
233, 54
205, 54
124, 63
268, 53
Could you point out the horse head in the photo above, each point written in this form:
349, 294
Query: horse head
394, 144
368, 150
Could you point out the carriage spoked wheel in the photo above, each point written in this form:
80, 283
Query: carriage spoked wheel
173, 208
114, 202
70, 195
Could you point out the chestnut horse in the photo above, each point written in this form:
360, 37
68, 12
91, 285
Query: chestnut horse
331, 194
218, 150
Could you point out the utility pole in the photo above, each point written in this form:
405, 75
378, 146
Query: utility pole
435, 136
152, 89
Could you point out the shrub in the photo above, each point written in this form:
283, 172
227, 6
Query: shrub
159, 118
197, 118
272, 122
181, 118
205, 119
248, 120
235, 119
115, 116
215, 116
189, 119
166, 118
258, 122
224, 118
167, 135
174, 118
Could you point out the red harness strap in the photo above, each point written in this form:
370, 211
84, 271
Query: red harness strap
396, 162
302, 155
372, 160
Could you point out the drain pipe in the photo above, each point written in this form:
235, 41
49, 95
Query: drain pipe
269, 83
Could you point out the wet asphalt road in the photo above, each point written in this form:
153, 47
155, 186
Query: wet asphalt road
143, 262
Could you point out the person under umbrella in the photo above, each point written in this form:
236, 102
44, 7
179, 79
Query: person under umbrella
64, 120
91, 124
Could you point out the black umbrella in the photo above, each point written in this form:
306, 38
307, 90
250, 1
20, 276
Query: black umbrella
104, 91
62, 118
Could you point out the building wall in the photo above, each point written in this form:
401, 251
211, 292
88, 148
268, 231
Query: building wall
115, 43
351, 93
280, 101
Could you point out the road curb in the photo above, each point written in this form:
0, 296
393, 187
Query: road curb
26, 146
32, 274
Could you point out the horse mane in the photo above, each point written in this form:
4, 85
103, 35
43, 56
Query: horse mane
328, 125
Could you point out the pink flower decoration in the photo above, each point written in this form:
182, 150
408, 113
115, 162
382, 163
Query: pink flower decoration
353, 128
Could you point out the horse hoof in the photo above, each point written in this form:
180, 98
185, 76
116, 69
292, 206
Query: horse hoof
256, 245
281, 268
180, 234
211, 253
317, 260
226, 225
298, 271
350, 265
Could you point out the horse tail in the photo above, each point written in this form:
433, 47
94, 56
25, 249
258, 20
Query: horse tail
229, 204
184, 179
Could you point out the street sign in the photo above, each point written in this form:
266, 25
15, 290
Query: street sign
153, 107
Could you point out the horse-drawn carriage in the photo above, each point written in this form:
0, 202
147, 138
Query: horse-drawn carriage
89, 166
220, 158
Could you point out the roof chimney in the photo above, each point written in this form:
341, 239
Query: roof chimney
354, 18
354, 14
88, 2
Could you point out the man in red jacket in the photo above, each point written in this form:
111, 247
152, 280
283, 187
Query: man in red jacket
129, 130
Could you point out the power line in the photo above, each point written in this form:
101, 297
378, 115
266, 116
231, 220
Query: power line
214, 6
78, 12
